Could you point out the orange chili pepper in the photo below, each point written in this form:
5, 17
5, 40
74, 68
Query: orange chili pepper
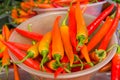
57, 44
5, 32
16, 72
20, 20
22, 13
2, 46
11, 30
14, 13
44, 47
5, 60
46, 1
100, 34
27, 5
85, 53
52, 65
31, 13
43, 5
66, 41
82, 33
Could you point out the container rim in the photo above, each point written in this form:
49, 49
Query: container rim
66, 8
68, 75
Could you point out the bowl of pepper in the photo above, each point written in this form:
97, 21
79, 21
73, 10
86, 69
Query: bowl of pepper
47, 48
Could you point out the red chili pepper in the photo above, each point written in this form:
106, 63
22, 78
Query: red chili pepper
31, 35
115, 71
21, 46
65, 59
86, 66
101, 52
75, 69
56, 5
111, 31
92, 26
58, 71
72, 26
48, 69
20, 55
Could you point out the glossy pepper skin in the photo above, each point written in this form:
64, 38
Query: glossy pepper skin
113, 27
99, 35
82, 32
101, 52
64, 29
57, 50
115, 71
32, 52
20, 55
92, 26
28, 34
44, 46
72, 26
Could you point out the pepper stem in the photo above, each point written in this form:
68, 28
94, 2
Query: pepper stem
113, 15
114, 45
118, 50
57, 58
29, 55
67, 70
30, 30
65, 19
76, 65
44, 54
91, 64
101, 54
71, 2
29, 27
76, 57
81, 40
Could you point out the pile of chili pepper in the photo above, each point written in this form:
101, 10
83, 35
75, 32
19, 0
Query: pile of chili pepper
22, 12
115, 63
67, 48
26, 10
5, 60
45, 4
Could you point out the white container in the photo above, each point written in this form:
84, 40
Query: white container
42, 24
26, 76
92, 9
